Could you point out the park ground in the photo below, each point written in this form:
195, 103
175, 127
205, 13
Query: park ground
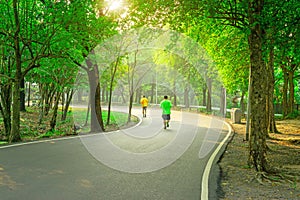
241, 182
238, 181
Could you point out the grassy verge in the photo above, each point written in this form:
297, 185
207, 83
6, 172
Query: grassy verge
31, 130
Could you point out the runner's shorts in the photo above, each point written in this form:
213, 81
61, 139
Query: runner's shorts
166, 117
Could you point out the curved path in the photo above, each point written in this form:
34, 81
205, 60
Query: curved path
143, 162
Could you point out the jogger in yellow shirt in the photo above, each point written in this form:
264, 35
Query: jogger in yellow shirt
144, 102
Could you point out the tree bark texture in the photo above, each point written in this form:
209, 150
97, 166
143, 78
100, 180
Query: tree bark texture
15, 127
96, 113
257, 142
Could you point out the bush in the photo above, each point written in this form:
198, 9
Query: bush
293, 115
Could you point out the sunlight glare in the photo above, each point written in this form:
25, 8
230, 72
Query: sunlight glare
114, 4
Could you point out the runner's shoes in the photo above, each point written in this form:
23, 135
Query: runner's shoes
166, 125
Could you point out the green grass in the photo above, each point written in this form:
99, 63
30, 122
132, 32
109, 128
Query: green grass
117, 119
50, 134
3, 142
31, 130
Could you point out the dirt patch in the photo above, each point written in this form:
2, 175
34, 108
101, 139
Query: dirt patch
239, 181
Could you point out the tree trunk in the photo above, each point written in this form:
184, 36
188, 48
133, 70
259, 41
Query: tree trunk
152, 92
291, 89
113, 74
6, 100
94, 96
204, 95
55, 109
28, 95
270, 97
41, 105
209, 89
130, 107
174, 92
87, 113
257, 142
46, 103
5, 107
186, 96
68, 100
249, 107
284, 92
223, 102
98, 107
50, 93
15, 127
242, 102
22, 95
6, 115
63, 99
96, 112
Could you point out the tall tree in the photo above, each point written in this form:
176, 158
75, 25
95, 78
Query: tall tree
258, 135
138, 65
245, 15
91, 27
29, 32
282, 28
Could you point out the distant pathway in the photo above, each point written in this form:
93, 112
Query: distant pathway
143, 162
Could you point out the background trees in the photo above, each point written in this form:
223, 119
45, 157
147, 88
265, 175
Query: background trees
28, 29
45, 43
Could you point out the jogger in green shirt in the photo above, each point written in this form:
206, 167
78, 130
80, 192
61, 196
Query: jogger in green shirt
166, 106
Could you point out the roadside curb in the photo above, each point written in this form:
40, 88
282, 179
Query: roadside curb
215, 158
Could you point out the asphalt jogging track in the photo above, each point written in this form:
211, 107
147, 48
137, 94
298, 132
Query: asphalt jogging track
207, 170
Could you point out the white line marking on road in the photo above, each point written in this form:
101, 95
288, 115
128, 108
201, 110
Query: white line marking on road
205, 177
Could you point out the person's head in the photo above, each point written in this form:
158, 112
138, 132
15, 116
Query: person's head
166, 97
